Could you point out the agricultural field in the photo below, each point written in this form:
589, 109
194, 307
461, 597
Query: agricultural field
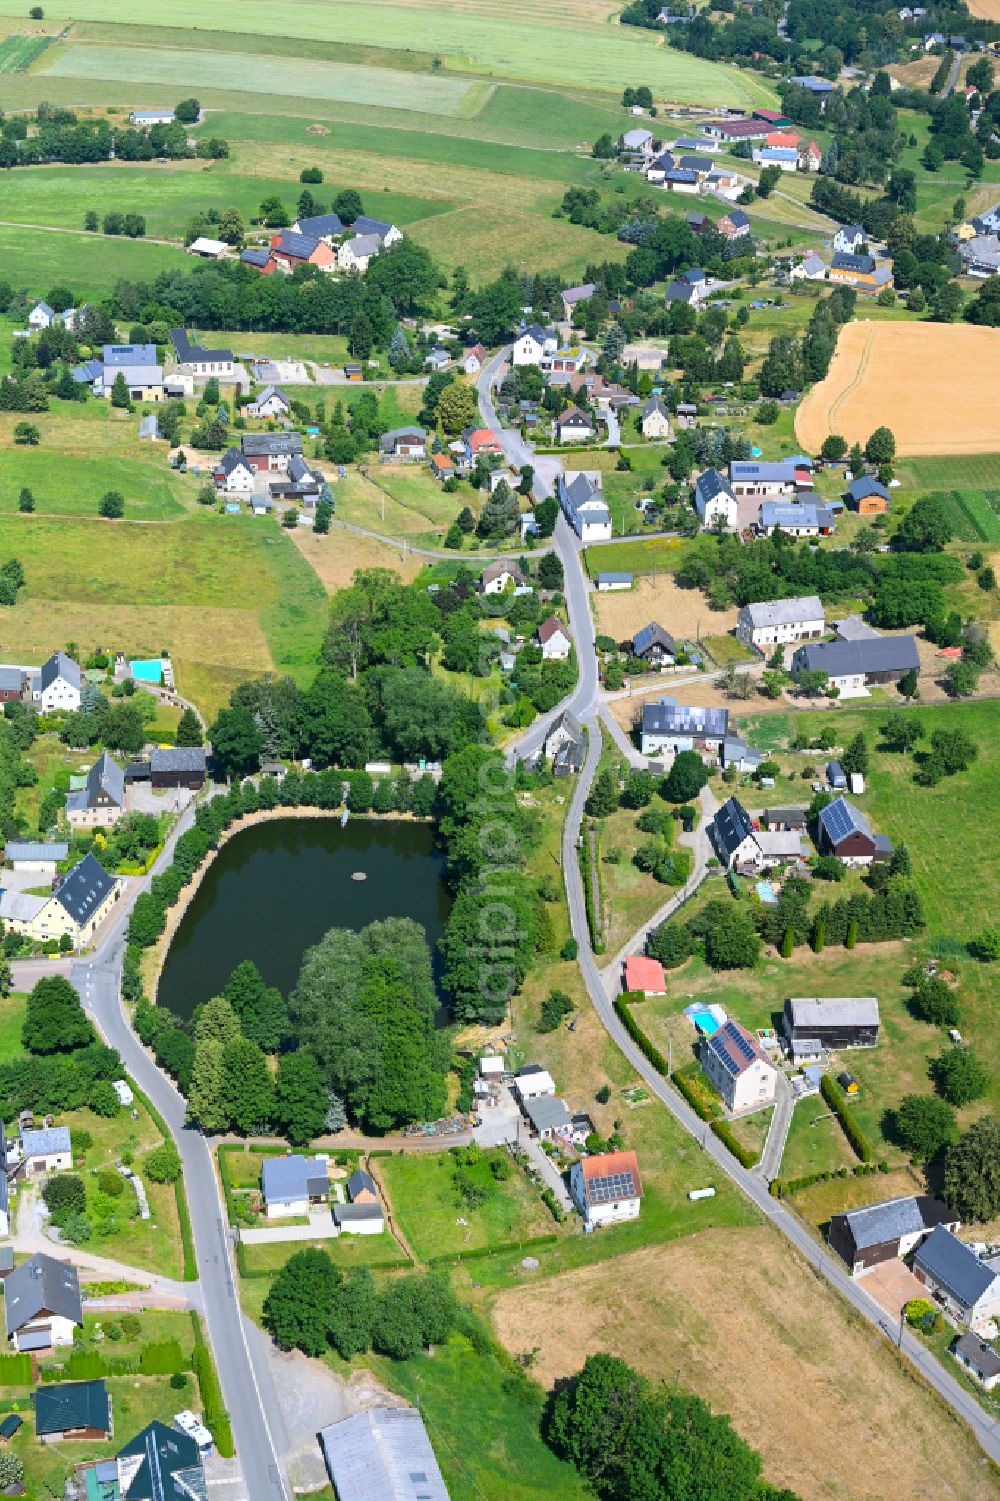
17, 53
479, 37
701, 1311
682, 612
935, 385
229, 597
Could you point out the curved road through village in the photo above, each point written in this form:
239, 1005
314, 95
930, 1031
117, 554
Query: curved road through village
585, 703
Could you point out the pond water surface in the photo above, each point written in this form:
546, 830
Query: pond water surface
275, 888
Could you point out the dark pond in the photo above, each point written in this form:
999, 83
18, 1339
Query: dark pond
277, 887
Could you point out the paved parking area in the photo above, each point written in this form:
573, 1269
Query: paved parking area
891, 1285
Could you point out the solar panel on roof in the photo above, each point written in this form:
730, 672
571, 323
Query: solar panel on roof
614, 1186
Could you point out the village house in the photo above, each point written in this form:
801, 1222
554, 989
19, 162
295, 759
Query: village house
739, 756
811, 268
271, 402
565, 744
654, 646
752, 477
233, 473
201, 362
403, 445
715, 502
860, 271
354, 256
886, 1231
844, 831
554, 640
734, 226
101, 802
654, 419
814, 1023
474, 359
72, 1410
482, 442
328, 227
967, 1288
849, 239
42, 1303
608, 583
289, 1185
606, 1189
738, 1068
533, 344
12, 681
173, 766
638, 140
531, 1082
48, 1150
785, 158
978, 1358
852, 666
267, 453
669, 726
76, 907
499, 576
741, 847
572, 426
160, 1464
361, 1188
776, 622
56, 688
805, 520
442, 467
258, 260
387, 234
644, 976
548, 1116
41, 316
582, 502
866, 496
574, 296
819, 88
358, 1219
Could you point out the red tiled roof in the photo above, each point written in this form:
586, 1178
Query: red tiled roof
548, 629
596, 1170
644, 974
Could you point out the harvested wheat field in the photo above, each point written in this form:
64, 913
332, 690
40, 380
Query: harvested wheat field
679, 611
336, 556
986, 10
936, 385
741, 1320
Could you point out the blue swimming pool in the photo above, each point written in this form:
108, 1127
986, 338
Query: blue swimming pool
706, 1024
149, 671
766, 893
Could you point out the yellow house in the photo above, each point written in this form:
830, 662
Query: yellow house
77, 907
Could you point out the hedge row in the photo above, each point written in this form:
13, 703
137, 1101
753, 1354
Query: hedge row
744, 1155
837, 1101
638, 1036
780, 1188
583, 855
216, 1416
695, 1096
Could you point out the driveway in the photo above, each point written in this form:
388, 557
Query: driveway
142, 799
504, 1123
891, 1285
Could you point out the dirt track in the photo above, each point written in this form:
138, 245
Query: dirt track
936, 385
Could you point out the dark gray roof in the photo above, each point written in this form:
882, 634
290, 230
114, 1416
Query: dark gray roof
387, 442
72, 1404
363, 225
981, 1356
15, 851
187, 352
41, 1283
178, 758
863, 265
346, 1214
952, 1265
266, 445
169, 1466
738, 218
767, 612
60, 666
129, 354
358, 1182
891, 1219
258, 258
47, 1142
300, 246
653, 635
105, 776
871, 654
732, 825
708, 485
678, 291
231, 459
668, 718
84, 889
654, 404
860, 488
840, 819
547, 1112
319, 225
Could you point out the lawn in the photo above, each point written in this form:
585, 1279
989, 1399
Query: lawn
229, 597
658, 555
974, 515
398, 502
90, 264
436, 1221
816, 1142
346, 1251
11, 1020
484, 1425
473, 38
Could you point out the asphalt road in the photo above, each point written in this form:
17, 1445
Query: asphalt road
584, 701
246, 1385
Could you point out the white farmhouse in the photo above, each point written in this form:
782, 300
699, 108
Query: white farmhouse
606, 1189
533, 344
738, 1068
714, 501
57, 686
554, 640
582, 501
776, 622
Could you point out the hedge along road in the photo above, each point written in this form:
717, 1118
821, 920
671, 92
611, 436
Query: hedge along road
247, 1389
584, 702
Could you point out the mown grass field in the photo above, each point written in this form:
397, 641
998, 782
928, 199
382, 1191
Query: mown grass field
229, 597
90, 264
437, 1222
478, 37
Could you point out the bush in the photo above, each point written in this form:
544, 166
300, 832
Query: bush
65, 1194
163, 1164
556, 1005
110, 1182
744, 1156
178, 1381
